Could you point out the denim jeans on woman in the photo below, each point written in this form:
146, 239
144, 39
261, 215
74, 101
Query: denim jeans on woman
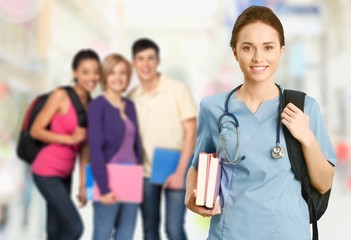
115, 221
174, 208
63, 220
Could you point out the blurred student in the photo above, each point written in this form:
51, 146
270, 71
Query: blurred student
167, 116
113, 138
52, 169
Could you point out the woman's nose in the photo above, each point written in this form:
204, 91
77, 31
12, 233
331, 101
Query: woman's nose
258, 56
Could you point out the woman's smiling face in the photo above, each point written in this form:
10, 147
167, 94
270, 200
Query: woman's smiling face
88, 74
118, 79
258, 52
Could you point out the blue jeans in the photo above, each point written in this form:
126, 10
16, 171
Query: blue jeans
116, 221
63, 220
175, 212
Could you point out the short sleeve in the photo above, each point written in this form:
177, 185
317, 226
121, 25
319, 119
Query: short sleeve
185, 103
204, 141
319, 129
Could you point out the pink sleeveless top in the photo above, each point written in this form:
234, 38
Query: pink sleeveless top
58, 159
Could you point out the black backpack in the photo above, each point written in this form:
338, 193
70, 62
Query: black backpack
28, 147
317, 203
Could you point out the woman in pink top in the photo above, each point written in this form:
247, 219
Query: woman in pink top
52, 168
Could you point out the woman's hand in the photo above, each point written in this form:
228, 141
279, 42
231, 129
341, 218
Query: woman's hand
108, 198
82, 197
297, 122
202, 210
190, 197
78, 135
320, 171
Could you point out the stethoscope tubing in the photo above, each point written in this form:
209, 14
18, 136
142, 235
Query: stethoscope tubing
237, 129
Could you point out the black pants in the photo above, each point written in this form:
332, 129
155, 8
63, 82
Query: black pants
63, 220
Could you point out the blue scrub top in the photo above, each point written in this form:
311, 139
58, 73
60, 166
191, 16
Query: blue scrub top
260, 196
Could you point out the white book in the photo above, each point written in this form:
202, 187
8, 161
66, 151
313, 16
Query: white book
202, 172
213, 181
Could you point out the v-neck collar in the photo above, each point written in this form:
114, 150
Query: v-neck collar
264, 109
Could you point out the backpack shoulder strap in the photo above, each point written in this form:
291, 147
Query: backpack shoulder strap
293, 146
78, 106
297, 159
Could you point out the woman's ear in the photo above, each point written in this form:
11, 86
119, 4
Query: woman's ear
282, 50
235, 53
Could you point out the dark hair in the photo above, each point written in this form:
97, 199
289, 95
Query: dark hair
143, 44
82, 55
254, 14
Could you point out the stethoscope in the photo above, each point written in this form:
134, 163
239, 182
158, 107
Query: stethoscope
277, 151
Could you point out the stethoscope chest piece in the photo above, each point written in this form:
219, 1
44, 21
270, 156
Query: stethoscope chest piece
278, 152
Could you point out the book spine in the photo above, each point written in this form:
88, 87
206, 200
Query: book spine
218, 180
212, 179
201, 179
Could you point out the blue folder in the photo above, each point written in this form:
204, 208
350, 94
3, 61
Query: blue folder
89, 182
165, 163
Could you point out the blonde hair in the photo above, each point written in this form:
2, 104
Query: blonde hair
109, 63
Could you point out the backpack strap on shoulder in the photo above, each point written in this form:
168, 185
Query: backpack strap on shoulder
293, 146
78, 106
297, 159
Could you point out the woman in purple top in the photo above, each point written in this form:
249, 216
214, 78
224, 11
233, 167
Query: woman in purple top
113, 137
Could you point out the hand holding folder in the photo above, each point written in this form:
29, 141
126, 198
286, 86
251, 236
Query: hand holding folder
165, 162
125, 181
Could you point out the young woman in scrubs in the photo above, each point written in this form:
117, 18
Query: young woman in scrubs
260, 197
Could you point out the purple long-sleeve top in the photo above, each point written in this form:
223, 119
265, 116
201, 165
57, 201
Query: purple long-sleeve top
106, 131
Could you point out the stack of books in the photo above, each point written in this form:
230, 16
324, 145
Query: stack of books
208, 179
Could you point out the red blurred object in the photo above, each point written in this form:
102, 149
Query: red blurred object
342, 152
3, 89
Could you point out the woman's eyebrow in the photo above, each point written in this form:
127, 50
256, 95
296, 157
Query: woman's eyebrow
247, 43
265, 43
250, 43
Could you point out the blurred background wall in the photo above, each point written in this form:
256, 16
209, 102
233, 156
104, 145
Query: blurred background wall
38, 39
